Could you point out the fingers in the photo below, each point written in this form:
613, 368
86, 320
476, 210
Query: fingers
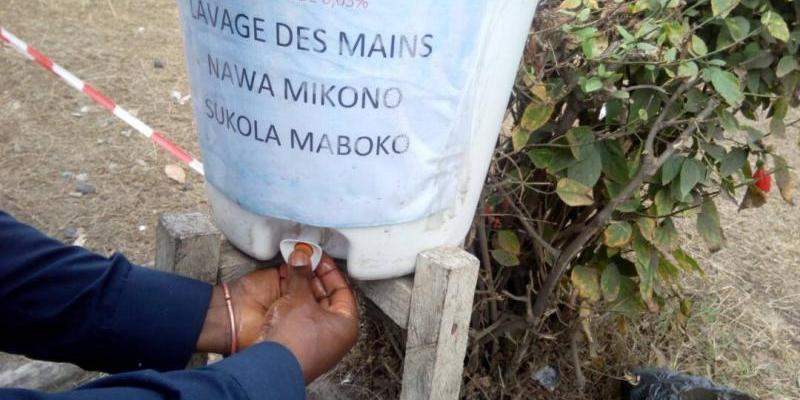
299, 274
318, 289
341, 297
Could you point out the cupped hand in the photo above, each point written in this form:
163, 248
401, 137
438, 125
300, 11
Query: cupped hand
251, 295
316, 317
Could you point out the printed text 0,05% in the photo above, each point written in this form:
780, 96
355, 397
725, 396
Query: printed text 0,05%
364, 4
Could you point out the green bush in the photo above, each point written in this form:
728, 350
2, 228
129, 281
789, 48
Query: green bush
626, 116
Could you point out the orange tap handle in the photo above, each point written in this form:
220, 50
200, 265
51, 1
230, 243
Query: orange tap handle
304, 248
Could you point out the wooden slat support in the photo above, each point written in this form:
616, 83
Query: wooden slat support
438, 324
391, 296
189, 245
434, 306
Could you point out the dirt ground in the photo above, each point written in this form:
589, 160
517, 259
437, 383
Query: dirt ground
745, 330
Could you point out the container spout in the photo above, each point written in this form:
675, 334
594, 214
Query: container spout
307, 241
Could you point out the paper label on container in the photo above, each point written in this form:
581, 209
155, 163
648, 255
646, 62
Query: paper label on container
334, 113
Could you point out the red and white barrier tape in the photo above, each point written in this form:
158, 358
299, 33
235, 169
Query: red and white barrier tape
72, 80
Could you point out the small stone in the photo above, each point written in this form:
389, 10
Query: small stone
75, 194
142, 228
70, 234
82, 177
85, 188
158, 64
547, 376
176, 173
85, 109
141, 162
127, 133
67, 174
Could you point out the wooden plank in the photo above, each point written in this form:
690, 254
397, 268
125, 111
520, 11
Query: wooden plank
189, 245
438, 325
21, 373
234, 264
391, 296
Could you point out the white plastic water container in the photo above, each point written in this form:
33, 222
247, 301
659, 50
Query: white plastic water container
365, 126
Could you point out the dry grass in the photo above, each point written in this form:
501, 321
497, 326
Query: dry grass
746, 322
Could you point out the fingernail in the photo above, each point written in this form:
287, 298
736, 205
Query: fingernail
326, 266
299, 259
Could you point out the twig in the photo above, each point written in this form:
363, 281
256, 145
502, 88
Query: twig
524, 221
580, 379
487, 264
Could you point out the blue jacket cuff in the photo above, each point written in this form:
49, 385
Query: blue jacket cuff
265, 371
158, 319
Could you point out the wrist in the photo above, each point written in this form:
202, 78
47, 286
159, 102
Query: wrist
215, 335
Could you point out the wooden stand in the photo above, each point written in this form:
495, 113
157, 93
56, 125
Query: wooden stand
434, 305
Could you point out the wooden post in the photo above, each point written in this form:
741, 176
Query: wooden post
438, 324
189, 245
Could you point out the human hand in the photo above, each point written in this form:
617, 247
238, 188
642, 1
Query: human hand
251, 295
316, 317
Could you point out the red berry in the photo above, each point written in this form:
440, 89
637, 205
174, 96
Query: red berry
763, 180
496, 224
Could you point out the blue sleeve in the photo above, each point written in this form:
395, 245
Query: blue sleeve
63, 303
263, 372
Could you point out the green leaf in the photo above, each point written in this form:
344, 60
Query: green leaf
738, 27
667, 235
716, 152
574, 193
580, 140
671, 169
536, 115
587, 171
592, 84
663, 202
627, 302
667, 271
692, 173
587, 282
721, 8
505, 258
727, 85
618, 234
708, 225
688, 70
627, 36
508, 241
610, 282
570, 4
646, 265
728, 121
647, 227
686, 261
520, 137
733, 162
615, 165
554, 160
631, 204
699, 47
776, 26
786, 65
784, 179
